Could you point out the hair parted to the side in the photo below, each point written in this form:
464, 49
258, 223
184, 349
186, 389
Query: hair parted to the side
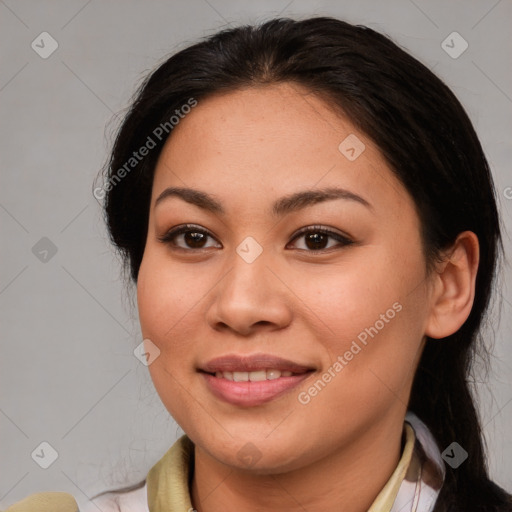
430, 144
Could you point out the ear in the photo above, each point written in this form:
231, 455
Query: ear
453, 287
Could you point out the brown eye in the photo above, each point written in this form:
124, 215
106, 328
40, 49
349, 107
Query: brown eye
195, 240
186, 237
317, 238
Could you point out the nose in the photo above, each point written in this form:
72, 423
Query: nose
249, 298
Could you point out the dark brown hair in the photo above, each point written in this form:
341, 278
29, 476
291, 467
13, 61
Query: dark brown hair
430, 144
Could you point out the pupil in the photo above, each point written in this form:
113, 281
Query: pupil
193, 239
317, 240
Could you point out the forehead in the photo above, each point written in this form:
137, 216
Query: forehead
268, 141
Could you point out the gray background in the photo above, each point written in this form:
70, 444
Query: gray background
68, 373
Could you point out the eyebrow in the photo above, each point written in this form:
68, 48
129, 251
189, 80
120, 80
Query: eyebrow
284, 205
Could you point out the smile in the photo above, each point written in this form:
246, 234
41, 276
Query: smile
251, 380
255, 376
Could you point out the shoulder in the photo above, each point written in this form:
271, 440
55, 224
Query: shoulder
480, 496
502, 497
133, 500
45, 502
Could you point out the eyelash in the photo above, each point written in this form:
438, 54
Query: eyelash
168, 237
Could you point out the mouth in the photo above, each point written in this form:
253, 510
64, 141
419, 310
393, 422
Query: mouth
253, 376
252, 380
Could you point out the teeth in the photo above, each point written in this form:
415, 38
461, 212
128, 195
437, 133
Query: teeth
273, 374
256, 376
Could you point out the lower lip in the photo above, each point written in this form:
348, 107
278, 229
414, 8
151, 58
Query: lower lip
252, 393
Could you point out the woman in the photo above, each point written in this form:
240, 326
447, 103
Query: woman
311, 223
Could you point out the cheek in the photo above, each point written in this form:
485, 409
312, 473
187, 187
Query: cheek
167, 298
346, 298
369, 312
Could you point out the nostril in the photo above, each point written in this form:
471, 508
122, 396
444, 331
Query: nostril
263, 322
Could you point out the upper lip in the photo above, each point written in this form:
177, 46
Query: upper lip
239, 363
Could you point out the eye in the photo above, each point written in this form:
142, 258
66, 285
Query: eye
192, 236
316, 238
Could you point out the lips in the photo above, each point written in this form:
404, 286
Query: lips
252, 380
237, 363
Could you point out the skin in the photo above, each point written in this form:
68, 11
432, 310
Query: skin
249, 148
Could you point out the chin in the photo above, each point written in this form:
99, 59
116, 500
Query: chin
255, 454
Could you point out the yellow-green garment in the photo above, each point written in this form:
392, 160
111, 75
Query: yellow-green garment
413, 486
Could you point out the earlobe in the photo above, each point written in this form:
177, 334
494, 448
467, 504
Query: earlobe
454, 287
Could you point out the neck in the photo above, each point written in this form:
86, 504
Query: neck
348, 479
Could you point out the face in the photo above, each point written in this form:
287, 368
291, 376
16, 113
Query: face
288, 247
